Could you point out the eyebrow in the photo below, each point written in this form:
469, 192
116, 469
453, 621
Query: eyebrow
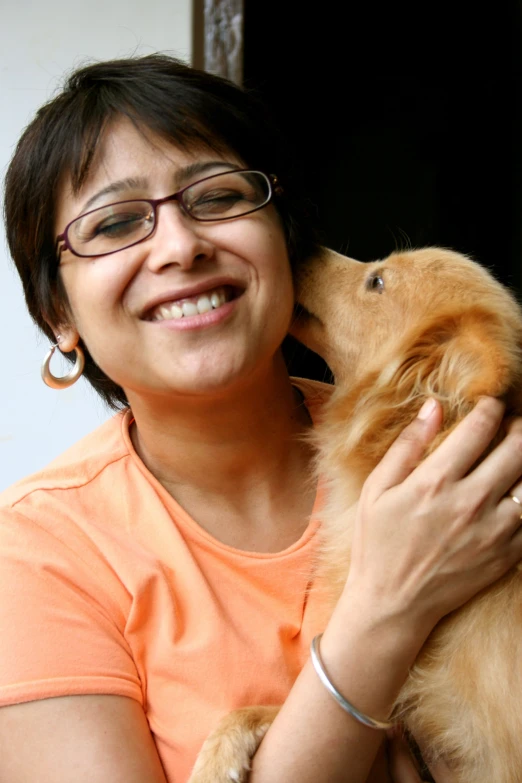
183, 174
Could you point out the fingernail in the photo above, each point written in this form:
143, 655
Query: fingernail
427, 409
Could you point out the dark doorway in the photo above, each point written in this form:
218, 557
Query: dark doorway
406, 118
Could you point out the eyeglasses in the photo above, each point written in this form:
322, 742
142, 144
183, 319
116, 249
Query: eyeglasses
114, 227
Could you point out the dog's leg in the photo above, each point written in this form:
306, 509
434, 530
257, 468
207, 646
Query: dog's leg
227, 753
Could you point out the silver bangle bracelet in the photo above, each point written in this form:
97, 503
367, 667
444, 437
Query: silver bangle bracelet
339, 698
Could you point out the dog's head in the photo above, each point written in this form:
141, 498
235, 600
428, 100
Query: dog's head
432, 313
420, 323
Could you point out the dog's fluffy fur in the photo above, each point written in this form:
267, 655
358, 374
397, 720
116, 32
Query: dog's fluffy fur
395, 332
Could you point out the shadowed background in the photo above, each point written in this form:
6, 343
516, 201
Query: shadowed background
407, 119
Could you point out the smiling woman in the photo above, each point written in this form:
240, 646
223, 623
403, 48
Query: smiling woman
164, 102
161, 572
170, 251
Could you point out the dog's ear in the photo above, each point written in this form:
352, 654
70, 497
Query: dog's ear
461, 357
454, 358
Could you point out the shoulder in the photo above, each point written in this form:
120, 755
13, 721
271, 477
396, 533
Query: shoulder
77, 467
90, 510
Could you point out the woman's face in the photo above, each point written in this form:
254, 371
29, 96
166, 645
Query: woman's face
121, 304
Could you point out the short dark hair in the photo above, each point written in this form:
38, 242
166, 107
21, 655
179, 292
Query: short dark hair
157, 93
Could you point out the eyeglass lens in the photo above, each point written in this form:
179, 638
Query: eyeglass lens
117, 226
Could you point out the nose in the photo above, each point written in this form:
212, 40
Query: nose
177, 239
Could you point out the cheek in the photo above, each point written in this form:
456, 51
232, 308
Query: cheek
92, 286
273, 266
68, 289
280, 251
283, 295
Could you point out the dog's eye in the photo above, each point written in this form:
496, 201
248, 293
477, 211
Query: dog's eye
375, 283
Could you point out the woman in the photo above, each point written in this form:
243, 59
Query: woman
156, 575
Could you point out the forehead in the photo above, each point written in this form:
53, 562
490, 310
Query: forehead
126, 152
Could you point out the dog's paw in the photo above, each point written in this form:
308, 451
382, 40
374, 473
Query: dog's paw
227, 753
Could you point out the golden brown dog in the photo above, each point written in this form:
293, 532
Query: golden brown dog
395, 332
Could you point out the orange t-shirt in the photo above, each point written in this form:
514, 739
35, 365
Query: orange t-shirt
107, 586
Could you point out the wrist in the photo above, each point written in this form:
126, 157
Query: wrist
348, 707
398, 627
375, 638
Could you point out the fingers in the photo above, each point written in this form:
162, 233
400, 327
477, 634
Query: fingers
460, 529
515, 546
502, 468
409, 448
441, 772
457, 454
401, 765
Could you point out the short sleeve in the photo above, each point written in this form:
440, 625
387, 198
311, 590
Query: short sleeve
62, 618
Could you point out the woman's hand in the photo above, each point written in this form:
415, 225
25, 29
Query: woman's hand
394, 763
430, 534
400, 761
427, 536
402, 766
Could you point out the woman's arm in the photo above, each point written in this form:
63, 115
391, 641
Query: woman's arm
401, 582
85, 739
427, 538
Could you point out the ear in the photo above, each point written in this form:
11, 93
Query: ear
66, 335
454, 358
459, 358
67, 338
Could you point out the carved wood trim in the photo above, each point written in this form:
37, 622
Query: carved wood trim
198, 34
220, 24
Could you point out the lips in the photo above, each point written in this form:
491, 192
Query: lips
191, 306
191, 302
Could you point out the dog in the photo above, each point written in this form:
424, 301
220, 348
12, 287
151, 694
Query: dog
422, 323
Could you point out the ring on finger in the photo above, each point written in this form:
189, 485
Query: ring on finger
517, 501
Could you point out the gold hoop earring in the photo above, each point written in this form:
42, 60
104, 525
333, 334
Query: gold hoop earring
66, 380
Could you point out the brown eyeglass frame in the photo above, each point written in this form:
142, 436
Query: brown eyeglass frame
273, 187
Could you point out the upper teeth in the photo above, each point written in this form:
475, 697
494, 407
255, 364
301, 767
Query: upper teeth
188, 307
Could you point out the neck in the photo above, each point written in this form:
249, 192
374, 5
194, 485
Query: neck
240, 448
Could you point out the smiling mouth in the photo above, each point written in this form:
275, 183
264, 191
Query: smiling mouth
194, 305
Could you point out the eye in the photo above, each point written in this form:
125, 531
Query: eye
120, 225
375, 282
216, 201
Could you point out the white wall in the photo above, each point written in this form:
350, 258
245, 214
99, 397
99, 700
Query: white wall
39, 41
